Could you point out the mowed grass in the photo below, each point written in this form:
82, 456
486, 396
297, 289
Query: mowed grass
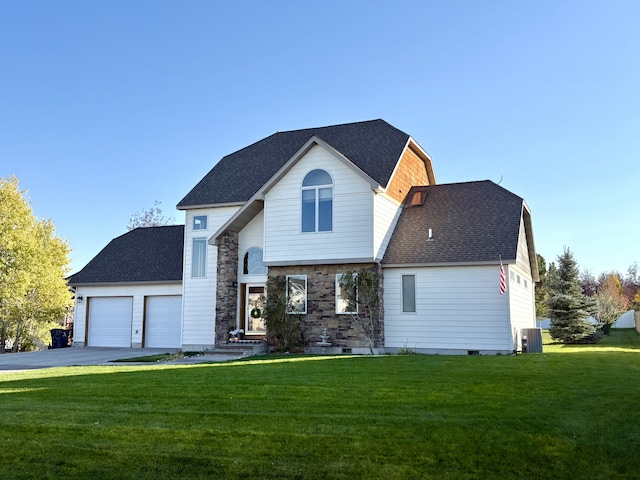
569, 413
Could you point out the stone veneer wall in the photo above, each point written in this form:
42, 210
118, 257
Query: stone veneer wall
226, 286
343, 331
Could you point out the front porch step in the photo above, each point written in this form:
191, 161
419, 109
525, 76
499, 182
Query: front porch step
246, 349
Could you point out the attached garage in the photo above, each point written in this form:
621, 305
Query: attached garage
130, 294
109, 321
163, 321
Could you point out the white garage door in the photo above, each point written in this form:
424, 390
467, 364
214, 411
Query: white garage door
110, 321
162, 322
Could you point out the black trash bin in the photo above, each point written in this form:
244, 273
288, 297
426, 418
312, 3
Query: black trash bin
59, 338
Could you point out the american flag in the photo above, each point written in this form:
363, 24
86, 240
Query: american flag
503, 280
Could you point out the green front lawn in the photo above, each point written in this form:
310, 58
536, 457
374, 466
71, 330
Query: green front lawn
569, 413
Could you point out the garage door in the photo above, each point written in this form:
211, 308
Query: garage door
110, 321
162, 322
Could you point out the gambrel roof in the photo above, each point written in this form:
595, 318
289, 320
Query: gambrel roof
471, 223
373, 146
151, 254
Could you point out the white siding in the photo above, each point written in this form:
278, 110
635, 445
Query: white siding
199, 294
521, 289
386, 213
138, 292
521, 300
352, 235
457, 309
252, 235
522, 258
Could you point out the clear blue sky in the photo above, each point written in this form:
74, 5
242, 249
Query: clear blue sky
107, 106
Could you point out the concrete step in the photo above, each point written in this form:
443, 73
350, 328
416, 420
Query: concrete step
246, 348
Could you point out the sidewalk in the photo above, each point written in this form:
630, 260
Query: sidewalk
75, 356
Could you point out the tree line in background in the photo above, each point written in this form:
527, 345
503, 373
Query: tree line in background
34, 295
568, 297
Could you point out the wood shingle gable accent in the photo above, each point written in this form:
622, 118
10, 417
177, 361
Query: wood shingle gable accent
413, 169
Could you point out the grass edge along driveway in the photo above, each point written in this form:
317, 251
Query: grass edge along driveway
568, 413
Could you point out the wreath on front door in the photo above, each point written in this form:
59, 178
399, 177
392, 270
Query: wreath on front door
256, 312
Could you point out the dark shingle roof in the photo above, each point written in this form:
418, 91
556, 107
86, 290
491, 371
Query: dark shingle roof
471, 222
374, 146
152, 254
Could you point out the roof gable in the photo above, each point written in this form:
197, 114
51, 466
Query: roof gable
373, 146
472, 222
151, 254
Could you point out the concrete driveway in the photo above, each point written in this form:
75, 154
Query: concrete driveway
63, 357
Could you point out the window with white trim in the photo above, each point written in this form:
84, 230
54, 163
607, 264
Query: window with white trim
252, 264
408, 293
199, 258
343, 299
200, 222
296, 294
317, 202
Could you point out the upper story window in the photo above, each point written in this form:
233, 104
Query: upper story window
200, 222
253, 262
317, 202
199, 258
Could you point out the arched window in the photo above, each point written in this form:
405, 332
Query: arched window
317, 202
253, 262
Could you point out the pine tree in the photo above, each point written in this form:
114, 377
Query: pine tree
568, 306
542, 288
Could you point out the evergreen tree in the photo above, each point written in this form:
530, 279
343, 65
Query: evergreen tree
542, 288
568, 306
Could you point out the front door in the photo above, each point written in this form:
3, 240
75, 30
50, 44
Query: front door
254, 310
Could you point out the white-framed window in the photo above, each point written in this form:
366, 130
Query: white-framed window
296, 294
342, 299
200, 222
252, 262
408, 293
317, 202
199, 258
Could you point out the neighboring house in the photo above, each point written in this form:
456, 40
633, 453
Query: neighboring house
316, 203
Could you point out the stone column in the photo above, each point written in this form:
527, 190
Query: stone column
226, 286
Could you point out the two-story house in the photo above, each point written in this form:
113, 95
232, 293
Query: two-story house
311, 205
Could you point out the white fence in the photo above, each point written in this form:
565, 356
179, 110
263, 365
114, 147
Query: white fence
629, 319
